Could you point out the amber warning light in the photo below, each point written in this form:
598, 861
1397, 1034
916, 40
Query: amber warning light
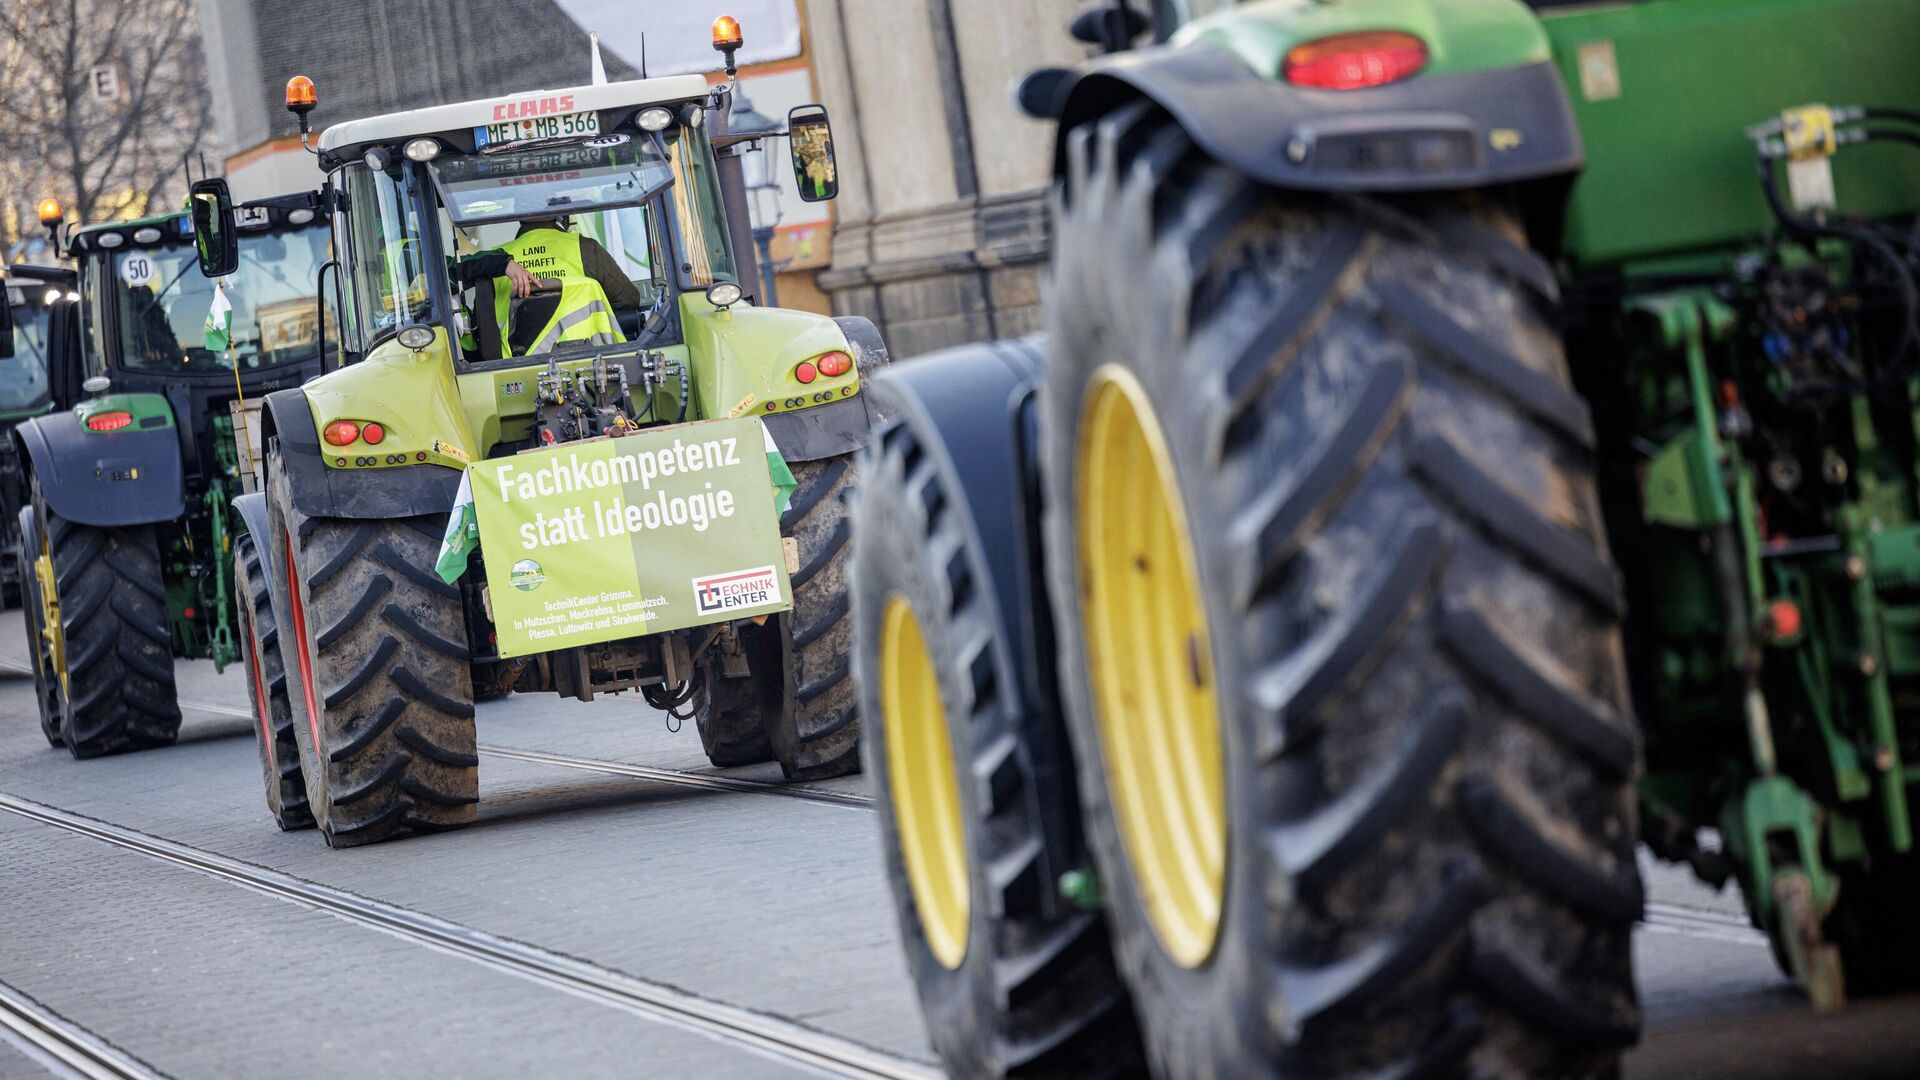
726, 33
50, 211
301, 96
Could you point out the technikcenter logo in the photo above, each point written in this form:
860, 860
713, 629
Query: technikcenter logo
736, 590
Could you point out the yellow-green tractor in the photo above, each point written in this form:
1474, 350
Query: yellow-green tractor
530, 474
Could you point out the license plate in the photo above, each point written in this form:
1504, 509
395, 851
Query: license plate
560, 126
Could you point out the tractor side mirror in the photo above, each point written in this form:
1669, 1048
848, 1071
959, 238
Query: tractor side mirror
213, 227
1041, 93
810, 141
6, 324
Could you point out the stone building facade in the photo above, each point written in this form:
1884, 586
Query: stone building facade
941, 220
376, 56
370, 58
940, 227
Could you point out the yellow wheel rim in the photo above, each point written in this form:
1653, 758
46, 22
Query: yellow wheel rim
926, 790
1151, 667
50, 629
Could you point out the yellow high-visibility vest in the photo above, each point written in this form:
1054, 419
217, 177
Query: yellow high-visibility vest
583, 314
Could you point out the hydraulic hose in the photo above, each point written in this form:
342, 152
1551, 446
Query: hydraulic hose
1891, 135
1905, 116
1903, 276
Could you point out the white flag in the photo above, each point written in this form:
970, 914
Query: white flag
219, 327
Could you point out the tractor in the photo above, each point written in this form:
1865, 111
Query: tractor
128, 527
473, 501
23, 393
1469, 440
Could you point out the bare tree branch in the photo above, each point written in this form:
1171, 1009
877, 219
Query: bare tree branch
99, 156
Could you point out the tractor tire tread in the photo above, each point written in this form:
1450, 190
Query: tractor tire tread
1036, 994
1413, 612
120, 693
396, 753
814, 732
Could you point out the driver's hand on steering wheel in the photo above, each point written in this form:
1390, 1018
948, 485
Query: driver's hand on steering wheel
523, 282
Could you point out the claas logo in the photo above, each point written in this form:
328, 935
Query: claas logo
546, 106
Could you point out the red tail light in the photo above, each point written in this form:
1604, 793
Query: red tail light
341, 432
1355, 61
113, 420
835, 363
805, 372
374, 434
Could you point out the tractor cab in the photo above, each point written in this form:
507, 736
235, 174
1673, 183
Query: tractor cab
158, 343
612, 198
624, 171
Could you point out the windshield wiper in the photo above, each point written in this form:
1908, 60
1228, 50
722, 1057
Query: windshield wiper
526, 144
164, 289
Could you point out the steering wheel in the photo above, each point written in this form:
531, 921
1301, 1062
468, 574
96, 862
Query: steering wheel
652, 319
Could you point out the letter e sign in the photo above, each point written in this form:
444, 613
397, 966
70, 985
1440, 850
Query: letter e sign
104, 82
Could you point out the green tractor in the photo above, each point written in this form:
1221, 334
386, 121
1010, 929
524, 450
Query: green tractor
24, 393
127, 525
464, 405
1472, 438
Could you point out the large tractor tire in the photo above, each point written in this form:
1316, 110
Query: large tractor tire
40, 650
815, 733
729, 712
380, 679
112, 659
1010, 984
1339, 633
267, 690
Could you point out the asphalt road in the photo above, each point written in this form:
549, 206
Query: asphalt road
600, 919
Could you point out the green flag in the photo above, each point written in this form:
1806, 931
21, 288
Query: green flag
219, 327
463, 533
782, 477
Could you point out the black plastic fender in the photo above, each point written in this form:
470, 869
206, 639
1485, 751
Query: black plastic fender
1429, 133
106, 479
972, 410
839, 427
252, 511
368, 494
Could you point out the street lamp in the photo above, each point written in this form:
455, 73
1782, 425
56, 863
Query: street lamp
763, 188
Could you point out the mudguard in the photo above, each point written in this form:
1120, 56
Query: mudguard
972, 409
1433, 132
106, 479
839, 427
252, 511
368, 494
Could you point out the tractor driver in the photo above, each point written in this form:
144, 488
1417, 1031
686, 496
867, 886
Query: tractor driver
593, 288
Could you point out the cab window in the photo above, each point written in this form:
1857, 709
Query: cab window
161, 301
